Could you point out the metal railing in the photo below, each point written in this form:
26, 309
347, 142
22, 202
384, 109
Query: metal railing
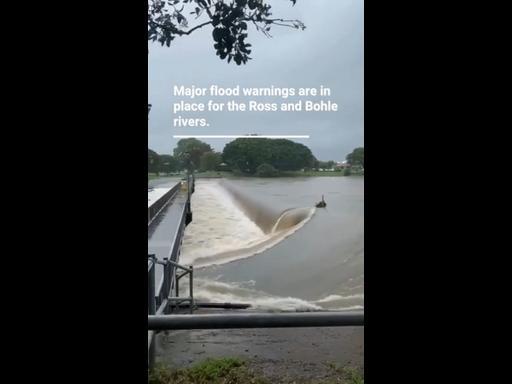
170, 263
257, 320
175, 301
151, 309
249, 320
165, 296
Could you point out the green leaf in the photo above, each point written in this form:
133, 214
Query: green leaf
217, 34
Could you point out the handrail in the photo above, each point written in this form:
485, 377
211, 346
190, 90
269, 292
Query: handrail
257, 320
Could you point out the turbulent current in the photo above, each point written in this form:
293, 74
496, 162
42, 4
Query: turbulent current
228, 226
264, 243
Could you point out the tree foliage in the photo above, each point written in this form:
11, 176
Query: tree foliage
356, 157
324, 164
266, 170
153, 161
168, 164
246, 155
210, 161
230, 20
189, 151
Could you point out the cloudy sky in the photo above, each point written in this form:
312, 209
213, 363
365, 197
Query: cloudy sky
329, 53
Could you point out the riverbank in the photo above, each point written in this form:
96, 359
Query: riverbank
318, 174
224, 174
301, 355
214, 174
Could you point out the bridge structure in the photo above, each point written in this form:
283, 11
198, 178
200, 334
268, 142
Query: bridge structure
169, 212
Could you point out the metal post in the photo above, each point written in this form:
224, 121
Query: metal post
188, 211
167, 280
151, 287
151, 350
176, 282
188, 189
151, 310
191, 289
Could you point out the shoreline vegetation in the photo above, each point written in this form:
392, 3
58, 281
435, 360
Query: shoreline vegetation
257, 157
229, 174
239, 371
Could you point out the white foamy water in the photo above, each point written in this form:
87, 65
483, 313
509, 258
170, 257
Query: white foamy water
242, 292
318, 268
218, 225
221, 232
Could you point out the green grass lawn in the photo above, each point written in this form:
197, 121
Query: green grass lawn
237, 371
318, 174
311, 174
212, 174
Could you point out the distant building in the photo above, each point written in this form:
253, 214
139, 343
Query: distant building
342, 165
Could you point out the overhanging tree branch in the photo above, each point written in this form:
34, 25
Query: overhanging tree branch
167, 20
181, 33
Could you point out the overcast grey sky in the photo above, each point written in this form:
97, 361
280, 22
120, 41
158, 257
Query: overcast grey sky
329, 53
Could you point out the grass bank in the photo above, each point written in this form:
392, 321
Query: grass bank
214, 174
237, 371
311, 174
225, 174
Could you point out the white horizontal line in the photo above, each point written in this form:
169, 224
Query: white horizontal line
242, 136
